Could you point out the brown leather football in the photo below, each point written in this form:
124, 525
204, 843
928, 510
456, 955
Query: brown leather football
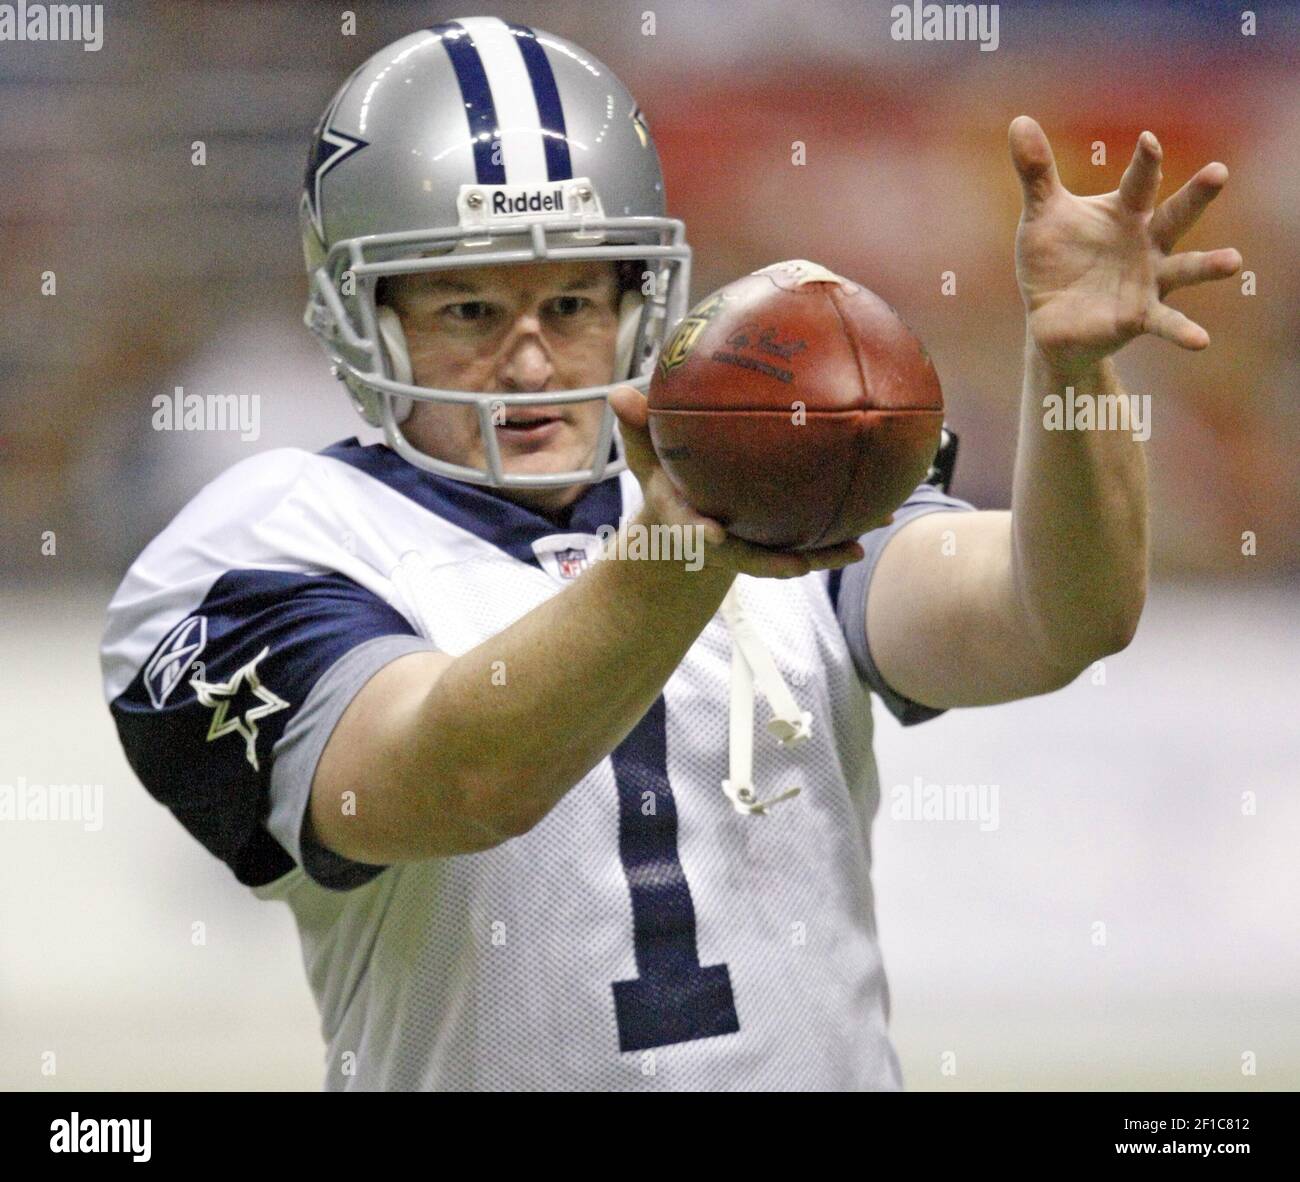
795, 407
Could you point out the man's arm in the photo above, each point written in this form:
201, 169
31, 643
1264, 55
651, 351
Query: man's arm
1013, 604
443, 756
974, 608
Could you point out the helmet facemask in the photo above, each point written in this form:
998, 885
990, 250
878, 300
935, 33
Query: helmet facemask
482, 142
368, 349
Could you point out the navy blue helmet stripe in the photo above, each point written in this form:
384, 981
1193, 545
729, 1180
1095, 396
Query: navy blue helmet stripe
554, 136
477, 96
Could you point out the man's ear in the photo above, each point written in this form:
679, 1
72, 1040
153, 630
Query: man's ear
627, 277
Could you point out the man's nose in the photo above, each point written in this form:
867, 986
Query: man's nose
526, 365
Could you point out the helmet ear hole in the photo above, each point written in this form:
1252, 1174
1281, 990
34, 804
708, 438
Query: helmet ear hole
399, 360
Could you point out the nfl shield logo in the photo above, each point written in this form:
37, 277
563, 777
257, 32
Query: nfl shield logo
571, 563
565, 556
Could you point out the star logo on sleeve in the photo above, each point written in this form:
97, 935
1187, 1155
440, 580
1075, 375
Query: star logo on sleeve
238, 704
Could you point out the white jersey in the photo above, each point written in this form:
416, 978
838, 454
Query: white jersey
645, 935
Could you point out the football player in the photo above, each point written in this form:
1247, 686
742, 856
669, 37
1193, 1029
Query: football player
513, 793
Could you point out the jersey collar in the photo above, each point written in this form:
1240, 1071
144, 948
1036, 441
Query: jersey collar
484, 512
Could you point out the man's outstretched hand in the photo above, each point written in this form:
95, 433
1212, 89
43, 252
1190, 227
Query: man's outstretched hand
1094, 271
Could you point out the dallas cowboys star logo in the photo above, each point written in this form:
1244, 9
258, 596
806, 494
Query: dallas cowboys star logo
330, 148
219, 697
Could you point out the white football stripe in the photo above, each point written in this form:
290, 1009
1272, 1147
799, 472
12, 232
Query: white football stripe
512, 95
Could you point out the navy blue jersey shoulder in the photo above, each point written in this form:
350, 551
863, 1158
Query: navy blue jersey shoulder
199, 720
483, 511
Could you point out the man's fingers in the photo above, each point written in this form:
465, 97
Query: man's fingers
1141, 181
831, 557
761, 562
764, 563
1032, 156
1178, 215
1171, 325
1196, 266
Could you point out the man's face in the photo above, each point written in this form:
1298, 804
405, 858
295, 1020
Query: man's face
530, 328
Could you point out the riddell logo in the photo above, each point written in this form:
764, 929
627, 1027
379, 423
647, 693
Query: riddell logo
534, 202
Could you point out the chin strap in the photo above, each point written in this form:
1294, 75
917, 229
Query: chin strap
752, 668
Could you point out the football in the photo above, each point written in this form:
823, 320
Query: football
795, 407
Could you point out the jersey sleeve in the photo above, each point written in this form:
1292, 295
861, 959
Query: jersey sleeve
849, 593
227, 716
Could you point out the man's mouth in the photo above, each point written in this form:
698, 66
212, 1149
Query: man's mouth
529, 426
527, 420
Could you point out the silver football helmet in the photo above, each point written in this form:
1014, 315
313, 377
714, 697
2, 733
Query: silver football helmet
481, 142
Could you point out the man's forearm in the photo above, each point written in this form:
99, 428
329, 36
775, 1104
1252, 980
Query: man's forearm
1079, 520
522, 717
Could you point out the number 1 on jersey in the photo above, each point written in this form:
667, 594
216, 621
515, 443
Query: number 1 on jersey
673, 998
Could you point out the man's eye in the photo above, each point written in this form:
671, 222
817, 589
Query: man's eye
470, 310
569, 305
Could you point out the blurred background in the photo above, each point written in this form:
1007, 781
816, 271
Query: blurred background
1159, 801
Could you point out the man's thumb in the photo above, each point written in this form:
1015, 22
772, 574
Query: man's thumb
633, 413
